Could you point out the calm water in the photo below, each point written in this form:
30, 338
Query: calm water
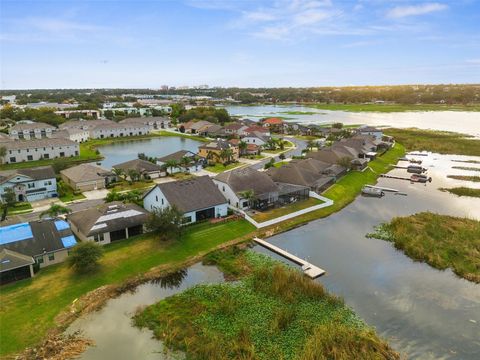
459, 121
111, 327
119, 152
423, 312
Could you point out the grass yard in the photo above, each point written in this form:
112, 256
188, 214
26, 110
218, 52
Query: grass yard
465, 178
280, 164
261, 216
273, 312
28, 308
124, 185
466, 168
463, 191
20, 208
387, 108
441, 241
219, 168
67, 193
442, 142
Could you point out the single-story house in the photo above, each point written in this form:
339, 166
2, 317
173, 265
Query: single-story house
197, 198
146, 169
234, 184
109, 222
15, 266
87, 176
212, 151
30, 184
196, 162
46, 241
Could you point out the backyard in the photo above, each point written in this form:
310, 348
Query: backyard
261, 216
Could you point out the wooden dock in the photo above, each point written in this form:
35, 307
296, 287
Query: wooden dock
395, 177
308, 269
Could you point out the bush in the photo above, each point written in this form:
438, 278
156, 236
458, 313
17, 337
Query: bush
84, 256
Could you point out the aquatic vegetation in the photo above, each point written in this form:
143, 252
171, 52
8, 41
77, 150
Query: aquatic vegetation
465, 177
463, 191
466, 168
441, 241
272, 312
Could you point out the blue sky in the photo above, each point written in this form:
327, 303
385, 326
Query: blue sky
127, 43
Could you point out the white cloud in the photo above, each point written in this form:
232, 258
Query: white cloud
414, 10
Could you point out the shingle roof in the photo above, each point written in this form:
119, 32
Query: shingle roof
216, 145
31, 126
192, 194
80, 124
248, 179
85, 172
273, 121
177, 156
145, 120
38, 143
45, 237
37, 173
138, 165
108, 217
10, 260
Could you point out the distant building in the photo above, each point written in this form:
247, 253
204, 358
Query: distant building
109, 222
119, 130
29, 184
39, 149
32, 130
87, 176
153, 122
197, 198
77, 135
370, 130
46, 241
87, 113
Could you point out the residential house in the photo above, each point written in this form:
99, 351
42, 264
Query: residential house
236, 183
235, 129
215, 131
196, 162
29, 184
370, 130
364, 145
46, 241
214, 151
109, 222
144, 168
153, 122
15, 266
195, 127
257, 129
118, 130
39, 149
87, 176
31, 130
275, 124
84, 124
197, 198
251, 149
256, 138
77, 135
86, 113
337, 153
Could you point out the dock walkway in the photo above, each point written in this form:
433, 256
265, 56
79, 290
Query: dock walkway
308, 269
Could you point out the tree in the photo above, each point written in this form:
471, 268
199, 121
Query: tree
3, 153
269, 164
242, 146
166, 223
60, 164
271, 144
118, 172
185, 162
8, 199
346, 162
133, 174
249, 195
311, 144
282, 156
226, 155
55, 210
84, 257
171, 164
338, 125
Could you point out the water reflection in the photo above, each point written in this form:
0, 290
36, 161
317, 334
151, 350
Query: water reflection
172, 280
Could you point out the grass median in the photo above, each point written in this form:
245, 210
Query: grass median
28, 308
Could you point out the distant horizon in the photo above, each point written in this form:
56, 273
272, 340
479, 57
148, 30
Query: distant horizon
86, 44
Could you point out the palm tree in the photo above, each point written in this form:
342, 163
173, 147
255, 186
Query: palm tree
134, 175
55, 210
226, 155
271, 144
311, 144
172, 164
185, 162
249, 195
118, 172
242, 146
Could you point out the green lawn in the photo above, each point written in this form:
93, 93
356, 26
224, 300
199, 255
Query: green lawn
394, 107
280, 164
28, 308
442, 142
67, 192
20, 208
218, 168
124, 185
261, 216
441, 241
272, 312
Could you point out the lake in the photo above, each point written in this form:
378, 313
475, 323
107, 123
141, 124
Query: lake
121, 151
459, 121
423, 312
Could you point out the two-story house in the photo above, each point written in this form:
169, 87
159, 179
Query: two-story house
30, 184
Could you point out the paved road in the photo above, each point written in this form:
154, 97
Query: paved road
297, 151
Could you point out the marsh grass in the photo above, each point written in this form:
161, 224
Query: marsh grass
441, 241
462, 191
466, 168
465, 177
271, 312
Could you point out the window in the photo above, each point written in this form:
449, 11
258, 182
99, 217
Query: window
46, 156
31, 185
13, 159
39, 260
98, 237
29, 157
162, 201
62, 153
51, 257
47, 183
156, 198
187, 219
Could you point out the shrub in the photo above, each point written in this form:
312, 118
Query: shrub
84, 256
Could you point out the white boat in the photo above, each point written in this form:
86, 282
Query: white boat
370, 191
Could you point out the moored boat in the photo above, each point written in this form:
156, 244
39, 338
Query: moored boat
370, 191
420, 178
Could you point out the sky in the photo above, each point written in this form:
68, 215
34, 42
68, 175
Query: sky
147, 44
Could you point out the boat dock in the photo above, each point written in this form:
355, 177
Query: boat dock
308, 269
395, 177
383, 188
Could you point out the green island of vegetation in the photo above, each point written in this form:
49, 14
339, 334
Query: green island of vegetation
387, 108
272, 312
465, 177
463, 191
299, 112
442, 142
466, 168
441, 241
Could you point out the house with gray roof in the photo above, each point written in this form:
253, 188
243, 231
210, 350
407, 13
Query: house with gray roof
15, 266
39, 149
31, 130
197, 198
196, 162
29, 184
144, 168
47, 241
153, 122
87, 176
108, 222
